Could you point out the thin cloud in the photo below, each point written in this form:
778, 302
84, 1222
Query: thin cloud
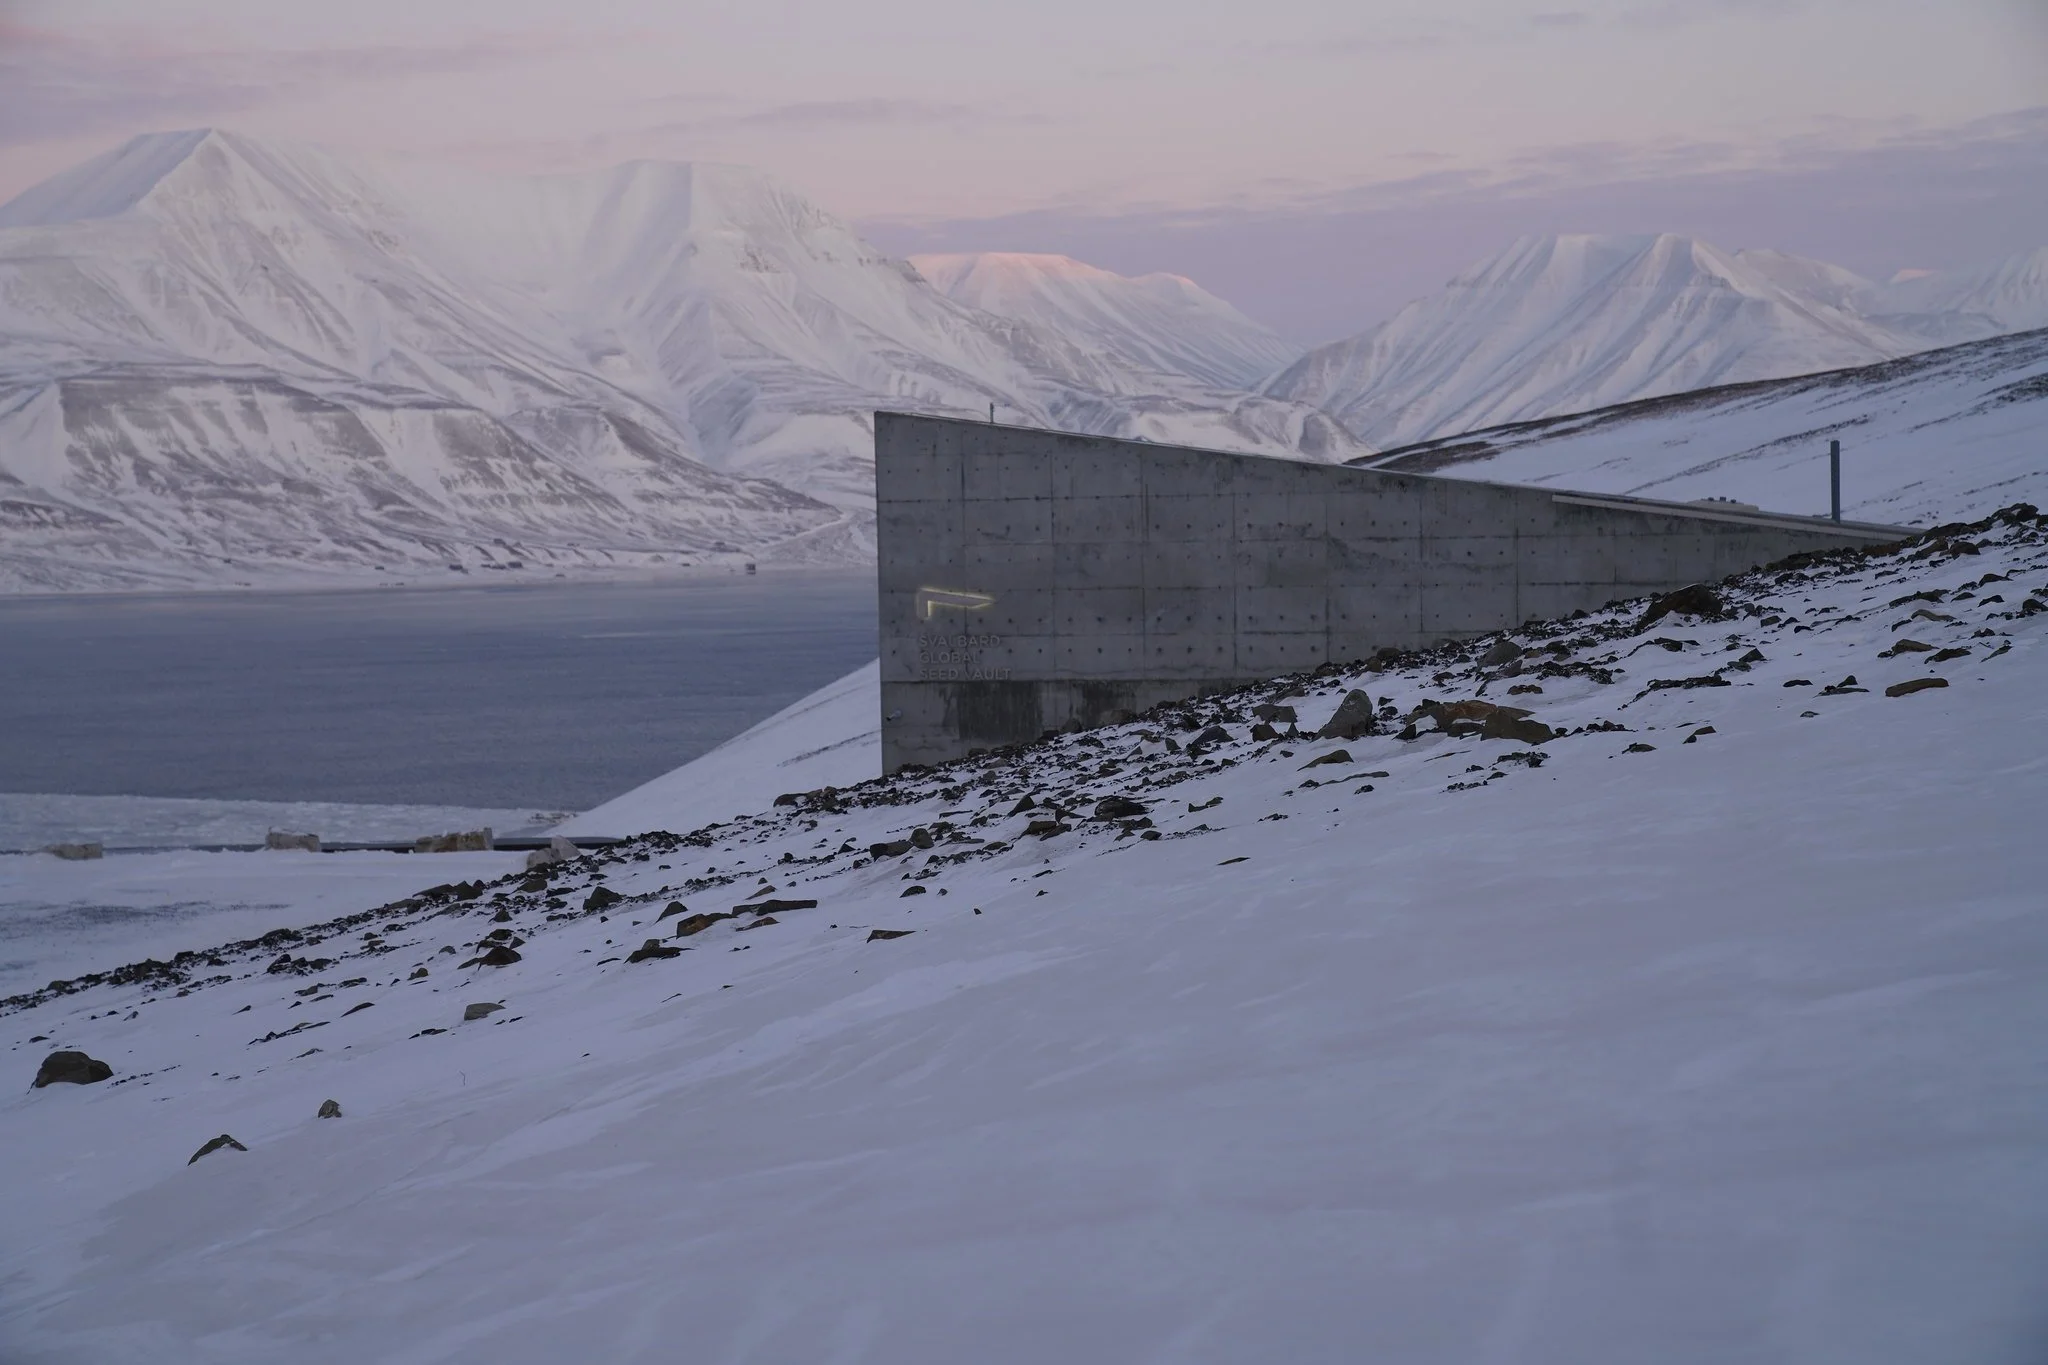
55, 85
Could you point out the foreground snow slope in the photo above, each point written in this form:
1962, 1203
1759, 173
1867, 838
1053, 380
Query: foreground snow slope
1934, 437
1687, 1051
832, 738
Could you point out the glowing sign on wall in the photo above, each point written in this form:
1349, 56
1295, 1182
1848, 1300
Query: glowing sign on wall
929, 600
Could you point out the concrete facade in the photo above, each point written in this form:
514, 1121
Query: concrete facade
1034, 579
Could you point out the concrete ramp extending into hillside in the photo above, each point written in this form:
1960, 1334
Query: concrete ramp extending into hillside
1030, 580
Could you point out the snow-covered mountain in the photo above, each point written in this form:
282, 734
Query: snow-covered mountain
1568, 324
1160, 322
1934, 437
2006, 296
223, 358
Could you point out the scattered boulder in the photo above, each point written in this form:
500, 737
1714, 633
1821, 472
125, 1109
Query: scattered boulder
1118, 808
1044, 829
1907, 689
457, 841
77, 853
921, 838
215, 1144
601, 898
1503, 723
1906, 647
329, 1109
890, 848
482, 1009
559, 850
70, 1068
1208, 739
418, 973
497, 955
696, 924
1334, 756
1639, 748
1506, 651
773, 906
1273, 713
1697, 600
286, 839
1023, 805
877, 935
1263, 733
912, 891
653, 947
674, 908
1354, 718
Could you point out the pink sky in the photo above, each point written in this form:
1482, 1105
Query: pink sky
1316, 161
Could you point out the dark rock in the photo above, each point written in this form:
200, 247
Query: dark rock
893, 848
1697, 600
1118, 808
1263, 733
480, 1010
877, 935
70, 1068
1505, 652
417, 973
1334, 756
1502, 724
772, 906
674, 908
1026, 804
1906, 647
497, 955
921, 837
602, 898
1354, 718
1269, 712
912, 891
215, 1144
1798, 682
1907, 689
1956, 652
1694, 737
1639, 748
1847, 684
696, 924
1208, 739
652, 948
503, 916
357, 1009
329, 1109
1045, 829
761, 923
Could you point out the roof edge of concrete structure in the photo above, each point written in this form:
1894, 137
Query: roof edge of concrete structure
1740, 515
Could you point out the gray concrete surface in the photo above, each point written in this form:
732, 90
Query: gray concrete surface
1032, 580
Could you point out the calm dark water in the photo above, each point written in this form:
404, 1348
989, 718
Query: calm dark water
553, 697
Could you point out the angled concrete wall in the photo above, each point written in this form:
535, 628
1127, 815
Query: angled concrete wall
1030, 579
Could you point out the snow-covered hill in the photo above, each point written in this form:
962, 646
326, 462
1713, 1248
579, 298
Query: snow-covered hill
1937, 436
1706, 1030
1567, 324
2006, 296
216, 349
1156, 322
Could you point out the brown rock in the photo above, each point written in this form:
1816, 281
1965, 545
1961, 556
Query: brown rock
696, 924
1354, 718
1501, 724
1907, 689
482, 1009
652, 948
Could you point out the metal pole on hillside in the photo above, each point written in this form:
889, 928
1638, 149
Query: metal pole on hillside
1835, 480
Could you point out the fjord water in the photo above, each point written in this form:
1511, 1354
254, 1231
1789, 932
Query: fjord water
549, 697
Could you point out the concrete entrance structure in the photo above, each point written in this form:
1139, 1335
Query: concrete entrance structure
1031, 579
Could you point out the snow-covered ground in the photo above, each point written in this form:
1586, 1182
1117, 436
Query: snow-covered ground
1944, 435
832, 738
35, 820
1707, 1030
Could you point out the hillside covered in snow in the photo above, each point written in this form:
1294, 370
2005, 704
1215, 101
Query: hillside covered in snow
227, 360
1568, 324
1938, 436
1665, 983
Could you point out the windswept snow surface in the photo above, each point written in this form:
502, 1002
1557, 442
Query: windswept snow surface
229, 360
1690, 1044
1154, 322
832, 738
1939, 436
1568, 324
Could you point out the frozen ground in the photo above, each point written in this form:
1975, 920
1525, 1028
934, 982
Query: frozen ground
1653, 1042
34, 820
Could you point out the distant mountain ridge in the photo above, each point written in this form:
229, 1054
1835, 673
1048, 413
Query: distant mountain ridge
1567, 324
225, 359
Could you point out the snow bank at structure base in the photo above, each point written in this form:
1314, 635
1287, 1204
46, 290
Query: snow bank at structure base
832, 738
1707, 1030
